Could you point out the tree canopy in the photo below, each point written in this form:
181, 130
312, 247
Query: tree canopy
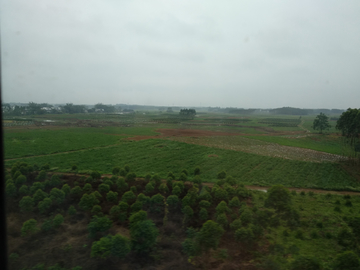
321, 122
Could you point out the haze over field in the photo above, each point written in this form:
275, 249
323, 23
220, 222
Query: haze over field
262, 54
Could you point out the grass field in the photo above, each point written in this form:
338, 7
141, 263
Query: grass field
162, 156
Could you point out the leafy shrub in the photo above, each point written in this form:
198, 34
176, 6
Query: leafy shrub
337, 209
157, 203
74, 167
172, 201
44, 205
234, 202
71, 210
222, 208
149, 188
26, 204
197, 180
41, 176
348, 203
130, 176
29, 227
188, 212
20, 180
183, 177
55, 180
76, 191
147, 177
230, 181
302, 193
345, 238
203, 214
314, 234
122, 172
144, 199
164, 188
115, 212
58, 220
246, 216
245, 235
95, 175
236, 224
39, 195
96, 210
204, 204
57, 196
136, 217
136, 206
121, 184
171, 176
89, 180
127, 168
108, 182
196, 171
116, 171
143, 236
305, 262
115, 246
299, 234
176, 191
98, 224
104, 188
24, 190
221, 175
156, 178
133, 189
222, 220
35, 186
346, 260
190, 247
88, 201
11, 190
220, 194
66, 189
279, 198
128, 197
123, 211
209, 235
112, 196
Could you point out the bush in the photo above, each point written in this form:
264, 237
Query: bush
190, 247
128, 197
279, 198
44, 205
112, 196
35, 186
164, 188
183, 177
222, 220
89, 180
204, 204
116, 246
221, 175
156, 178
130, 177
188, 212
20, 180
345, 238
87, 188
39, 195
137, 217
96, 210
58, 220
88, 201
127, 168
115, 212
157, 203
104, 188
74, 167
116, 171
209, 235
76, 191
246, 216
203, 214
197, 171
11, 190
220, 194
13, 257
66, 189
234, 202
29, 227
222, 208
236, 224
143, 236
41, 176
149, 188
55, 180
176, 191
26, 204
304, 262
57, 196
71, 210
123, 211
347, 260
230, 181
172, 201
245, 235
197, 180
24, 190
99, 224
136, 206
121, 184
144, 199
95, 175
171, 176
133, 189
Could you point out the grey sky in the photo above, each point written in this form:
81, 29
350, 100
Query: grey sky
262, 54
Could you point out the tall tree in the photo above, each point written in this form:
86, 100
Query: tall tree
321, 122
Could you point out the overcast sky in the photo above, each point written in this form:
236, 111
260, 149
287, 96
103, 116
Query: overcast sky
241, 53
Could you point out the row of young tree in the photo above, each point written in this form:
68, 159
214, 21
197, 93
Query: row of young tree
208, 212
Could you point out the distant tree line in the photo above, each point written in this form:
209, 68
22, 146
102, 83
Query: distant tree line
187, 112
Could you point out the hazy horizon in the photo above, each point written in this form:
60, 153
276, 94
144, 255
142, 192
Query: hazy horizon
244, 54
